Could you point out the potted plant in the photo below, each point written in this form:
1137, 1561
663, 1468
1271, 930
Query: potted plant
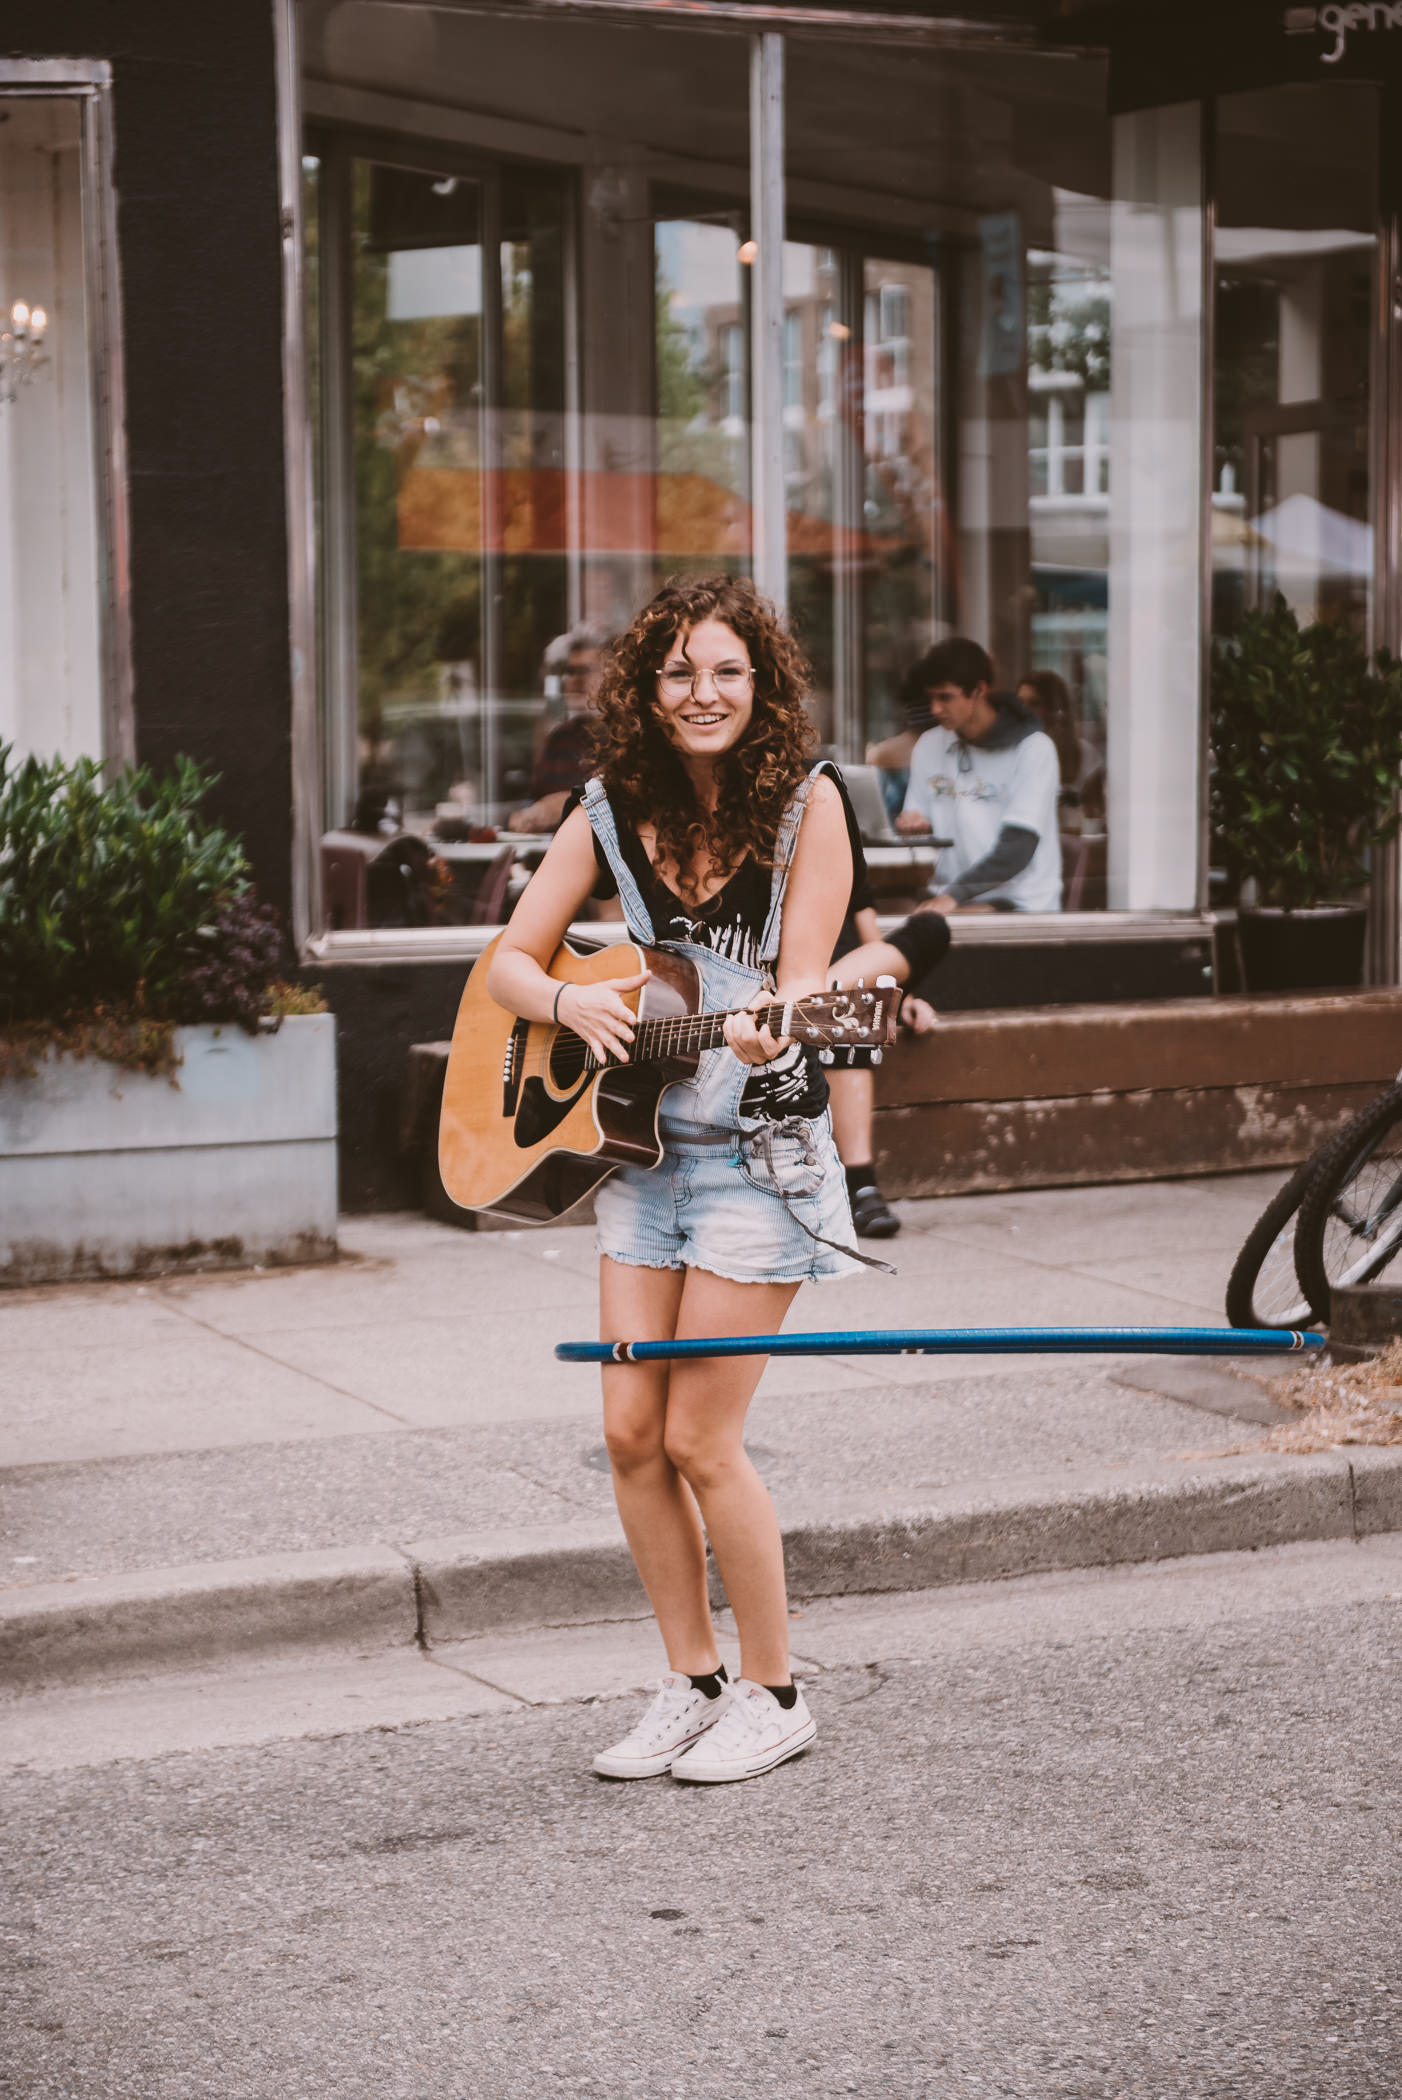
1306, 746
166, 1100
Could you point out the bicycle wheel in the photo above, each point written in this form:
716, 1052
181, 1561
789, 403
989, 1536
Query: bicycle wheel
1263, 1289
1350, 1224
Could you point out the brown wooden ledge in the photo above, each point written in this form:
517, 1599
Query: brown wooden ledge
1021, 1098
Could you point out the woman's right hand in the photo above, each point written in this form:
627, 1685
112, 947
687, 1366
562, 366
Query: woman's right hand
597, 1012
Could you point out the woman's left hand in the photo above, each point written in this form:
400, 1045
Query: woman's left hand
753, 1046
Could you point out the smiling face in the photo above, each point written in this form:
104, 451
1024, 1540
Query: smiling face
706, 690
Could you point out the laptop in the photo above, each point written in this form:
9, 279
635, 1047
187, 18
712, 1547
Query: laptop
863, 784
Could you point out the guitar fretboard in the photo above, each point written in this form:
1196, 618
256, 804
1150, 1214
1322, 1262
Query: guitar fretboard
656, 1040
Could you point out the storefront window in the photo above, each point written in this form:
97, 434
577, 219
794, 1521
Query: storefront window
541, 297
51, 582
958, 428
701, 487
1296, 263
535, 386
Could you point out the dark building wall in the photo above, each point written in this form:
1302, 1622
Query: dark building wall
200, 257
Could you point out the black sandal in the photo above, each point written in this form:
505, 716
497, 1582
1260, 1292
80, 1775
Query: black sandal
871, 1215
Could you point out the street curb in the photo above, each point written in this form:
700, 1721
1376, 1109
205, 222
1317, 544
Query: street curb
111, 1626
453, 1589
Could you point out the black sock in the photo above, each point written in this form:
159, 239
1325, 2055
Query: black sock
711, 1683
863, 1177
786, 1694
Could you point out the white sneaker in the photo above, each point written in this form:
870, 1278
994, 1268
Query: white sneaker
753, 1735
676, 1718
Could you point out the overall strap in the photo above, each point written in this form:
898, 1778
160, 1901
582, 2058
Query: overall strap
784, 846
595, 804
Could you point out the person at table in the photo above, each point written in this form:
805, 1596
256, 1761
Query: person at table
987, 778
566, 757
891, 755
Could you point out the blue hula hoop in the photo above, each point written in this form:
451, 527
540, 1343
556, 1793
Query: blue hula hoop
961, 1341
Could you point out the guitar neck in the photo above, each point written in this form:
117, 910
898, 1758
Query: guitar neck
692, 1032
687, 1033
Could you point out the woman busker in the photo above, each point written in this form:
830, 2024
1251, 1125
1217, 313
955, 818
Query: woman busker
724, 845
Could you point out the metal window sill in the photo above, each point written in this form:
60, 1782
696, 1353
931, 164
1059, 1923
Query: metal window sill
408, 944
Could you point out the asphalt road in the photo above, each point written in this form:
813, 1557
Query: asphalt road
1091, 1839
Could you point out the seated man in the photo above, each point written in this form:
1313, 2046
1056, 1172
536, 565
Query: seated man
567, 755
986, 777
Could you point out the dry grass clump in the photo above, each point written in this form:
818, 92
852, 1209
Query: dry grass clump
1340, 1404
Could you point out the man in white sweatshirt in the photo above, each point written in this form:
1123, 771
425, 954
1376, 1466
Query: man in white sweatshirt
986, 778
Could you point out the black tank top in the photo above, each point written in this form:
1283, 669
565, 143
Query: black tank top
731, 923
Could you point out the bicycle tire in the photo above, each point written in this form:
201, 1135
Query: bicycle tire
1342, 1163
1260, 1280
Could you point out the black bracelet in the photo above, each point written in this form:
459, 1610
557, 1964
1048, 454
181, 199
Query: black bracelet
555, 1010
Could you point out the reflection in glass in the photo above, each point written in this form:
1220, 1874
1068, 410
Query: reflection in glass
901, 504
701, 485
418, 436
50, 638
535, 382
948, 452
1068, 376
1296, 261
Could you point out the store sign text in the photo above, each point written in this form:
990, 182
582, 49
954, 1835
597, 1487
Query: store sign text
1339, 22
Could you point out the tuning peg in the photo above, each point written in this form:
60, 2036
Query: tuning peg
876, 1056
886, 984
825, 1057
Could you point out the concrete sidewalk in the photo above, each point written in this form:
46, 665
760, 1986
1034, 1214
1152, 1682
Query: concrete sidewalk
386, 1450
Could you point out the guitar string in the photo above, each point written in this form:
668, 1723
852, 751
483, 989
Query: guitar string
658, 1038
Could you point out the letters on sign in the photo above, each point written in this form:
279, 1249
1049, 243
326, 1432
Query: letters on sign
1340, 21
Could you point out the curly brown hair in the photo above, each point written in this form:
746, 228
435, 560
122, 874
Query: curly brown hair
641, 767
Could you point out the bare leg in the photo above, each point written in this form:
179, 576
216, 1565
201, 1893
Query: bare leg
705, 1419
852, 1095
872, 960
657, 1508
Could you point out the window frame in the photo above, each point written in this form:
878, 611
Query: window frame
88, 81
768, 459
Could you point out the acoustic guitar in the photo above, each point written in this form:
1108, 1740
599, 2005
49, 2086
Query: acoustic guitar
532, 1121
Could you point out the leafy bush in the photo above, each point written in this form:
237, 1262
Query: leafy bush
1307, 747
235, 957
121, 905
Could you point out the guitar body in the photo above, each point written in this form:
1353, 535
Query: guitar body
525, 1132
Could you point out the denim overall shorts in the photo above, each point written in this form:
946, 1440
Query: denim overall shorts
714, 1199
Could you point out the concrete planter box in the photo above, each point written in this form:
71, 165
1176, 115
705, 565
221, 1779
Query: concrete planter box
105, 1172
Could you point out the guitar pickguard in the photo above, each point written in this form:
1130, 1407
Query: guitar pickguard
539, 1111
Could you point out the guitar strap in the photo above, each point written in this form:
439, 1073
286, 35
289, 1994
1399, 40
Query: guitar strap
785, 846
595, 804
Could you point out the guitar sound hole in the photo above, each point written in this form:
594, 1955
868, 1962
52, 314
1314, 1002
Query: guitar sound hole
568, 1054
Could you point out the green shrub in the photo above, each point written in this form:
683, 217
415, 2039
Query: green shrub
1307, 747
113, 893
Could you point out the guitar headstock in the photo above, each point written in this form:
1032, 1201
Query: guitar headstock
860, 1017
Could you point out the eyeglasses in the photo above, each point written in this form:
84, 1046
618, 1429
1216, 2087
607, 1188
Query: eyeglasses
731, 681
